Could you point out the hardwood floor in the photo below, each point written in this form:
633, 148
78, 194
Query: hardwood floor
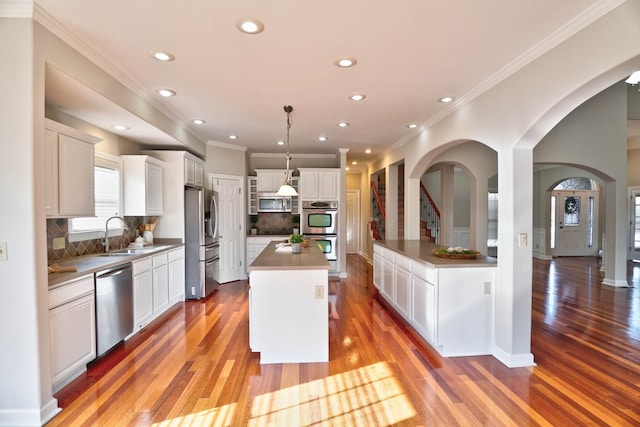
193, 367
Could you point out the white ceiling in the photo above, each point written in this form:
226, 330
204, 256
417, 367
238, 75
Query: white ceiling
409, 54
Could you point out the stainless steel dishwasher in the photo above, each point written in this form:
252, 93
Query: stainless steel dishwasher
114, 306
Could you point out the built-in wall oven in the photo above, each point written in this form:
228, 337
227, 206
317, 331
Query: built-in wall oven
319, 217
328, 245
319, 223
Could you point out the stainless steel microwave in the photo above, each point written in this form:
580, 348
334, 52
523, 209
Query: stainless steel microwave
271, 202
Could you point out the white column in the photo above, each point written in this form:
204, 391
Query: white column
447, 207
615, 251
512, 320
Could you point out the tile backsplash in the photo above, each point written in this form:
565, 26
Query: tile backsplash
274, 223
59, 227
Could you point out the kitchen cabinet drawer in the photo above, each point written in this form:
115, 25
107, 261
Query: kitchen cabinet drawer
142, 265
70, 291
175, 254
424, 271
160, 259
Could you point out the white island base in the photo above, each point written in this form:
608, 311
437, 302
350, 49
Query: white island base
288, 306
289, 321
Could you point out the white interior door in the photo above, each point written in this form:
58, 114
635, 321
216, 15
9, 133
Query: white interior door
576, 219
353, 221
228, 192
634, 217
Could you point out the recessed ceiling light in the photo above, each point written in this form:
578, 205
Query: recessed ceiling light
357, 97
322, 138
445, 99
233, 136
280, 142
354, 163
163, 56
250, 26
121, 127
343, 124
368, 151
412, 126
166, 92
346, 62
347, 168
198, 121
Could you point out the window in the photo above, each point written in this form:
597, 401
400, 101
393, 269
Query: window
108, 201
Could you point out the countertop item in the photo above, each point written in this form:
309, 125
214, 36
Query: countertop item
311, 258
422, 250
89, 264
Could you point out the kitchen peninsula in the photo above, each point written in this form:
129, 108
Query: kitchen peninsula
449, 302
288, 305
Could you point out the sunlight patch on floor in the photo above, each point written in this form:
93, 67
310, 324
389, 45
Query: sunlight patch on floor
366, 396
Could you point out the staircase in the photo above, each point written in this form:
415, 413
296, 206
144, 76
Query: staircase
378, 215
429, 217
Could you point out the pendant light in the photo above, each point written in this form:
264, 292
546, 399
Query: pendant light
286, 189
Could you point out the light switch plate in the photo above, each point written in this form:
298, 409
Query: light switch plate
58, 243
3, 251
319, 291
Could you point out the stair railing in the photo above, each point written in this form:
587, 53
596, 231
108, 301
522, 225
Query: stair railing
378, 201
430, 214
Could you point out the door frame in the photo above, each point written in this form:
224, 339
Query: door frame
243, 201
356, 226
632, 254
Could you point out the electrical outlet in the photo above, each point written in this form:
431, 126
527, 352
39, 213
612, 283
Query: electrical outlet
3, 251
193, 290
487, 288
319, 292
58, 243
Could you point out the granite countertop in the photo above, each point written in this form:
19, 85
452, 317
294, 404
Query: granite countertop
311, 258
89, 264
422, 250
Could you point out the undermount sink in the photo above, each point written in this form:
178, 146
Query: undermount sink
133, 251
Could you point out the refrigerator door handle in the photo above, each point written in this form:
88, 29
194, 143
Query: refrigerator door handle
213, 223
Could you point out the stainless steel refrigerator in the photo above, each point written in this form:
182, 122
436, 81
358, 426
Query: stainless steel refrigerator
202, 252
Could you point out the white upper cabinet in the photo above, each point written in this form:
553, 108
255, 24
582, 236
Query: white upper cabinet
319, 184
69, 176
193, 171
270, 180
143, 185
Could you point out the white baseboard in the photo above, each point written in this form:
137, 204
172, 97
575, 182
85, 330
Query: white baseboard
513, 360
29, 417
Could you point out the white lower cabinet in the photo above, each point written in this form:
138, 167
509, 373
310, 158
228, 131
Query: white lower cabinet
142, 293
160, 283
176, 275
423, 316
451, 307
72, 329
256, 244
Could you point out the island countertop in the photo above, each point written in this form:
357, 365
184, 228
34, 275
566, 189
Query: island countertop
311, 258
422, 250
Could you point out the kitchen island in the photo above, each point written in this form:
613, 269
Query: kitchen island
449, 302
288, 305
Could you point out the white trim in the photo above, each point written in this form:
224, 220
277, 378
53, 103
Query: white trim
228, 146
30, 417
616, 283
297, 156
513, 360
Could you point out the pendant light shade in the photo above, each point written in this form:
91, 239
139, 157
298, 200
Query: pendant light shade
286, 189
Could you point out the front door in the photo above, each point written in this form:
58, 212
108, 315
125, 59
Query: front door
228, 192
575, 221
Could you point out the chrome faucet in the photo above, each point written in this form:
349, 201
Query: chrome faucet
105, 243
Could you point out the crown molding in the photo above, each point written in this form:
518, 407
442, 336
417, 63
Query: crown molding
212, 143
297, 156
